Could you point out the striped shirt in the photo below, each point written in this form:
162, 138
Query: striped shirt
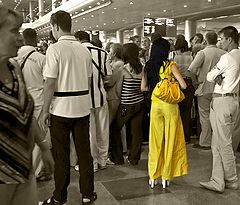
131, 91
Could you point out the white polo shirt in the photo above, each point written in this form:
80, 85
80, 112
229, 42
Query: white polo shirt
229, 67
71, 64
33, 72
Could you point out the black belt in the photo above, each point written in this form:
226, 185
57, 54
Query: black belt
69, 94
214, 95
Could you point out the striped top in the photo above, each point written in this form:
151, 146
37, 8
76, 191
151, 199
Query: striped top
131, 91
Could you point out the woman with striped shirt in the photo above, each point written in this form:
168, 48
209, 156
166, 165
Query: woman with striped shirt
131, 107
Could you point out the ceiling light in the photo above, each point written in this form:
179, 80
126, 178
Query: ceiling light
90, 27
113, 22
76, 21
221, 17
209, 0
83, 18
164, 10
102, 12
96, 25
82, 9
115, 8
84, 29
92, 16
90, 7
104, 24
76, 12
148, 14
131, 2
185, 6
98, 3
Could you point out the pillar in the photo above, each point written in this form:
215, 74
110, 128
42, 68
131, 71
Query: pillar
138, 31
53, 5
119, 36
40, 8
190, 29
31, 11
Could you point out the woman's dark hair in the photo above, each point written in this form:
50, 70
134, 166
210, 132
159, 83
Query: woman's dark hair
130, 53
62, 19
159, 53
181, 45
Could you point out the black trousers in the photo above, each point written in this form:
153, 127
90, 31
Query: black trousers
185, 109
60, 135
133, 114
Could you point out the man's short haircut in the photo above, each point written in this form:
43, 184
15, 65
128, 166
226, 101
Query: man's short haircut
211, 37
230, 31
82, 35
29, 35
62, 19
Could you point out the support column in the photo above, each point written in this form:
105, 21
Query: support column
138, 31
41, 8
53, 5
119, 36
103, 36
190, 29
31, 11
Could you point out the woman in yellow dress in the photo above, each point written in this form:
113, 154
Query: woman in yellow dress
167, 151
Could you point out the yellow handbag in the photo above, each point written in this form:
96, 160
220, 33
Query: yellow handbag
168, 89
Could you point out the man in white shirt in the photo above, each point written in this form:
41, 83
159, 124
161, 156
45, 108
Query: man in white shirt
32, 63
223, 113
68, 74
99, 117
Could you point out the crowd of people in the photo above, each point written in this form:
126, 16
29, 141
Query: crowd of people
75, 95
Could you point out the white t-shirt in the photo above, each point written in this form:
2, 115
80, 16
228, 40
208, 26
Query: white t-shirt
229, 67
71, 64
33, 72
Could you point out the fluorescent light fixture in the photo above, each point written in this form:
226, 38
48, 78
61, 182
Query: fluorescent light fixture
207, 19
221, 17
93, 9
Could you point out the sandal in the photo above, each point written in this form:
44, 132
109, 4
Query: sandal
86, 200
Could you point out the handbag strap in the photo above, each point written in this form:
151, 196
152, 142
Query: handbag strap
25, 59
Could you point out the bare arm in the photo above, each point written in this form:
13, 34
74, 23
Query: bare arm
178, 76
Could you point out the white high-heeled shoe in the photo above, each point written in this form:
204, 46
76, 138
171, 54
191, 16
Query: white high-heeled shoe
152, 183
165, 183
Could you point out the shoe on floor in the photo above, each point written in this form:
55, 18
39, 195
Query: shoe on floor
86, 200
109, 162
232, 185
101, 167
198, 146
210, 186
52, 201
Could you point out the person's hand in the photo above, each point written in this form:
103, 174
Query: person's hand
219, 79
48, 160
44, 120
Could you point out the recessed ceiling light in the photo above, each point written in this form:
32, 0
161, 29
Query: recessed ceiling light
185, 6
82, 9
92, 16
164, 10
148, 14
84, 29
90, 27
83, 18
115, 8
98, 3
76, 21
90, 7
102, 12
209, 0
96, 25
104, 24
113, 22
131, 2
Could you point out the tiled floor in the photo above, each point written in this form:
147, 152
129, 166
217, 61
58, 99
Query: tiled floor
128, 185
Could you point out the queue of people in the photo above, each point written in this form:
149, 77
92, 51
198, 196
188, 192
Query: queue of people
78, 89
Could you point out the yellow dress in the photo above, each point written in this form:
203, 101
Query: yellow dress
167, 156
